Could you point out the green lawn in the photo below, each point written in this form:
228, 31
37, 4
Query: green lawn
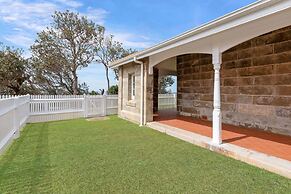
116, 156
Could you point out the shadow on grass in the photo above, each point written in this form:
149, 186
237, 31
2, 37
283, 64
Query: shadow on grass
13, 151
35, 172
41, 175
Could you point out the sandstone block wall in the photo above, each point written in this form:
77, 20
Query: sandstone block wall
255, 83
195, 85
149, 94
155, 90
129, 109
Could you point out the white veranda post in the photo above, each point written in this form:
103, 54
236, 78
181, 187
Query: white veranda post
216, 121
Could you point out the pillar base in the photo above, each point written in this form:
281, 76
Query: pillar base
216, 127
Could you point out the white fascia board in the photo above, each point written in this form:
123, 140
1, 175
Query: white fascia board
243, 15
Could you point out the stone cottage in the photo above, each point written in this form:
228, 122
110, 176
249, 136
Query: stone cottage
235, 70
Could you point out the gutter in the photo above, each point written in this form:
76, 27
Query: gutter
142, 90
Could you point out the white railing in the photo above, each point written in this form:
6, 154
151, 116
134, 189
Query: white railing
14, 112
55, 96
167, 101
42, 110
51, 108
56, 106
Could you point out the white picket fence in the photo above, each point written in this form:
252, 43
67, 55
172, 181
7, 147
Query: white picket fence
167, 101
51, 108
56, 107
16, 111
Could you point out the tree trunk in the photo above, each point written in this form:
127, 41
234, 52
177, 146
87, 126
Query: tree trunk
15, 89
107, 78
75, 83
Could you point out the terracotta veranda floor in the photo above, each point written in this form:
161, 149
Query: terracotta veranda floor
261, 141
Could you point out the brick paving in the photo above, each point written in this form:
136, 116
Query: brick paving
254, 139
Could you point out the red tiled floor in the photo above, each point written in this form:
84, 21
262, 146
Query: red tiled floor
254, 139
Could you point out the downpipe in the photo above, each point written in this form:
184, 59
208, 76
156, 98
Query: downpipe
142, 90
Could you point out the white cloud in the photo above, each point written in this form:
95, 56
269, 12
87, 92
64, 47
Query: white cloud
18, 29
31, 17
35, 16
96, 14
70, 3
132, 40
24, 15
19, 39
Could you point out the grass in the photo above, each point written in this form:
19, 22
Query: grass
116, 156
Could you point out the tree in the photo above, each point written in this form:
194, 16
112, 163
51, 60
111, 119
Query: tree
63, 48
102, 91
164, 83
125, 53
83, 88
109, 50
13, 71
113, 90
50, 78
93, 92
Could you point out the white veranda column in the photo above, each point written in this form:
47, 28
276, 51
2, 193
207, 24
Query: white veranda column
216, 120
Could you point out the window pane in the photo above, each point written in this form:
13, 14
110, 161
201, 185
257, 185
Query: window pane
129, 86
133, 85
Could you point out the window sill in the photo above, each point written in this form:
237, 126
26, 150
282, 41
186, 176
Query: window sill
131, 103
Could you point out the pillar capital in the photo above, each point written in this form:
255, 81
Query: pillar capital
216, 66
216, 57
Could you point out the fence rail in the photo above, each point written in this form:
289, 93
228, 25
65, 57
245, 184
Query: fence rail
16, 111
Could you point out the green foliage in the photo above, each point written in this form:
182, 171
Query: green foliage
116, 156
113, 90
164, 83
14, 71
125, 53
93, 92
63, 48
108, 50
101, 91
83, 88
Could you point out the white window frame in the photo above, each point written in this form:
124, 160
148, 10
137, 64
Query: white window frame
132, 84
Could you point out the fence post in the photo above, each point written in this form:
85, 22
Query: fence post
27, 107
104, 105
85, 104
15, 118
46, 107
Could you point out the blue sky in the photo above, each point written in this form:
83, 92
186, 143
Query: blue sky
137, 23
